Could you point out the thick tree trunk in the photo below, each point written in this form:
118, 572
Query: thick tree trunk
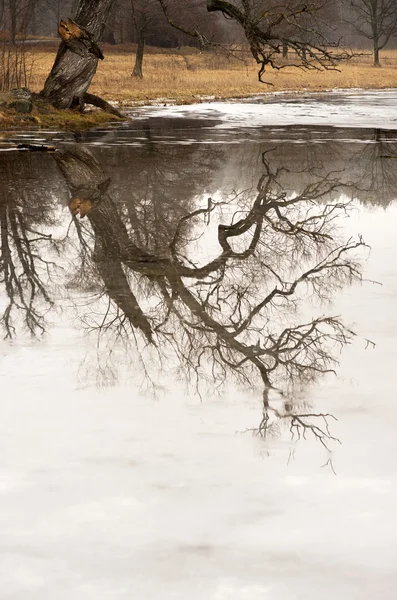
138, 72
75, 66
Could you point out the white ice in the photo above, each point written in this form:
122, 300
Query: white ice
373, 109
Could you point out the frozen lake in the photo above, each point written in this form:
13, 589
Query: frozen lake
118, 478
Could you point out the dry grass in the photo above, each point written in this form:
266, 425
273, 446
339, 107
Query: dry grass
45, 116
187, 75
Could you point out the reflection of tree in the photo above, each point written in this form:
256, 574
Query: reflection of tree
363, 160
227, 314
155, 184
25, 266
377, 163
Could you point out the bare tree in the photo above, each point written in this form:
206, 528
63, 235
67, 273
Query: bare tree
16, 15
376, 20
267, 25
271, 26
145, 14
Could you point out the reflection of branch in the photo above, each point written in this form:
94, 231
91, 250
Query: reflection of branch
223, 316
300, 426
332, 262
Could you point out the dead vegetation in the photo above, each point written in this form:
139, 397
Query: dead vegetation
45, 116
185, 75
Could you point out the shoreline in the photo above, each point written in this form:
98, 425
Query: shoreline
45, 117
170, 101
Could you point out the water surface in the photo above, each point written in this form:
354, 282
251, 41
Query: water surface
125, 470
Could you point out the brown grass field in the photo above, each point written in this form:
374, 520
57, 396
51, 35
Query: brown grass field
187, 75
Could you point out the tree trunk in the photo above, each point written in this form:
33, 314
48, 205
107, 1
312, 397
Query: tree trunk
285, 50
75, 66
12, 7
376, 54
33, 22
138, 72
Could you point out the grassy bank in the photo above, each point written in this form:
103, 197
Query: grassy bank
186, 75
47, 117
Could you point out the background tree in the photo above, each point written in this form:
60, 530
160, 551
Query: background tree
16, 15
376, 20
271, 26
145, 14
48, 13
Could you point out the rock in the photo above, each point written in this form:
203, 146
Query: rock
36, 148
20, 99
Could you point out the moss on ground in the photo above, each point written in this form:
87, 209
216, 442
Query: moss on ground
45, 116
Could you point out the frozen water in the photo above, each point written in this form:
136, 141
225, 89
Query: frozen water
369, 109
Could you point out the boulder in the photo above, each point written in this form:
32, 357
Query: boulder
20, 99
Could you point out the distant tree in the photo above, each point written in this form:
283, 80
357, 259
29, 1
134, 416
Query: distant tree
2, 7
270, 26
145, 14
17, 15
50, 12
376, 20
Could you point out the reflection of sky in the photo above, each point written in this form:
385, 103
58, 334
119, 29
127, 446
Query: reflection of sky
114, 494
110, 493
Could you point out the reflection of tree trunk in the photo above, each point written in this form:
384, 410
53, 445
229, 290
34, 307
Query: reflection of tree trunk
138, 72
285, 50
72, 72
86, 180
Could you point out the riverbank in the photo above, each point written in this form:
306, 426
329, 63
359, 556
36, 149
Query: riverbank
45, 116
187, 76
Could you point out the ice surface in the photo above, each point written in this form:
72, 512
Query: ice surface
373, 109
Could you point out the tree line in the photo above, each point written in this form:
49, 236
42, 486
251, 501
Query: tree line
353, 23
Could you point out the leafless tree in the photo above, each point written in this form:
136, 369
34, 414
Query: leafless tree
271, 26
145, 15
77, 58
18, 14
376, 20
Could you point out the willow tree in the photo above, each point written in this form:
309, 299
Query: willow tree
77, 58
